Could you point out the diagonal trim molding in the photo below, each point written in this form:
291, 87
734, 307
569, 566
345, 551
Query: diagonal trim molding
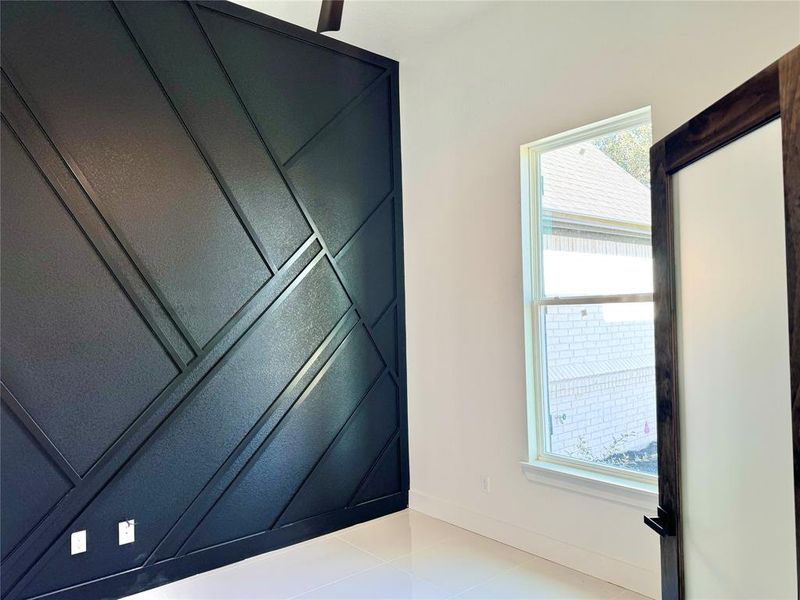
284, 176
40, 436
64, 98
154, 416
346, 110
237, 209
129, 287
91, 194
216, 487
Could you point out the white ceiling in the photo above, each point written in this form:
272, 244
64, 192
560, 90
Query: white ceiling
388, 27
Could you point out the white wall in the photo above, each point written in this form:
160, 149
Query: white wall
514, 74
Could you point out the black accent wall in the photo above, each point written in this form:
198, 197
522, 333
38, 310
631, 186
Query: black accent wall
202, 295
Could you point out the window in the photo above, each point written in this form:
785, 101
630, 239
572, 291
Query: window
589, 301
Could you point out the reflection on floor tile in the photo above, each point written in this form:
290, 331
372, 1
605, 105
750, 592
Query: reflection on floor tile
381, 582
398, 534
539, 579
459, 563
282, 574
406, 555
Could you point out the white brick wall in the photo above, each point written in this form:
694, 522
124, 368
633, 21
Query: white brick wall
601, 381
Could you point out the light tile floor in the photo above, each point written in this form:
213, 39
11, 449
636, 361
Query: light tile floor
406, 555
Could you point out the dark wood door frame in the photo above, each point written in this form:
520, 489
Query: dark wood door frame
772, 93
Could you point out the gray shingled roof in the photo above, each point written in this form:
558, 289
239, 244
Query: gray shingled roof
581, 179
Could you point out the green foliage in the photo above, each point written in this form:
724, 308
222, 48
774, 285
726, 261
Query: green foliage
630, 149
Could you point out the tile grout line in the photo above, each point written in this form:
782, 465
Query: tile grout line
359, 572
383, 563
492, 578
449, 538
421, 548
247, 562
330, 583
613, 593
389, 562
360, 549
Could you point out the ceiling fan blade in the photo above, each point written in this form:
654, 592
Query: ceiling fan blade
330, 15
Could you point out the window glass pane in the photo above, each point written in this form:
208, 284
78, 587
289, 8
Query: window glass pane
600, 380
596, 215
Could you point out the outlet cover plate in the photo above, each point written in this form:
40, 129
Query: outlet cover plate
126, 532
78, 542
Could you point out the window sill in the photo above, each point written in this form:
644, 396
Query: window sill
614, 489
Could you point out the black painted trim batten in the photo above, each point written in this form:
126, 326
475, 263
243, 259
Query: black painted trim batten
40, 436
282, 170
139, 580
119, 8
98, 204
14, 108
400, 292
40, 544
35, 556
253, 17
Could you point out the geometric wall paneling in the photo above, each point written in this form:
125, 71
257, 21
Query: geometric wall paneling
384, 480
360, 443
346, 172
85, 214
171, 545
385, 332
203, 324
23, 564
367, 263
206, 427
186, 66
264, 488
29, 474
148, 178
76, 354
264, 66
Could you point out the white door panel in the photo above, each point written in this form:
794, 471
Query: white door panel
733, 347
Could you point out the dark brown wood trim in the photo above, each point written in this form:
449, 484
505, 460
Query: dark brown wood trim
746, 108
666, 373
789, 68
774, 92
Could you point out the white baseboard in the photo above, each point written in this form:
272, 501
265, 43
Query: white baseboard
603, 567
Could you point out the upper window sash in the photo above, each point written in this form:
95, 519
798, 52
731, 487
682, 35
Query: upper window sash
579, 272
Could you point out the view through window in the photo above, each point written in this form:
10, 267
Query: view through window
589, 298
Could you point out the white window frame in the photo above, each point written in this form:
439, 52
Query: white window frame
608, 482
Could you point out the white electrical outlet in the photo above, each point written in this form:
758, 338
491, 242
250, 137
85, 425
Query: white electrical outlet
126, 532
78, 542
486, 484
